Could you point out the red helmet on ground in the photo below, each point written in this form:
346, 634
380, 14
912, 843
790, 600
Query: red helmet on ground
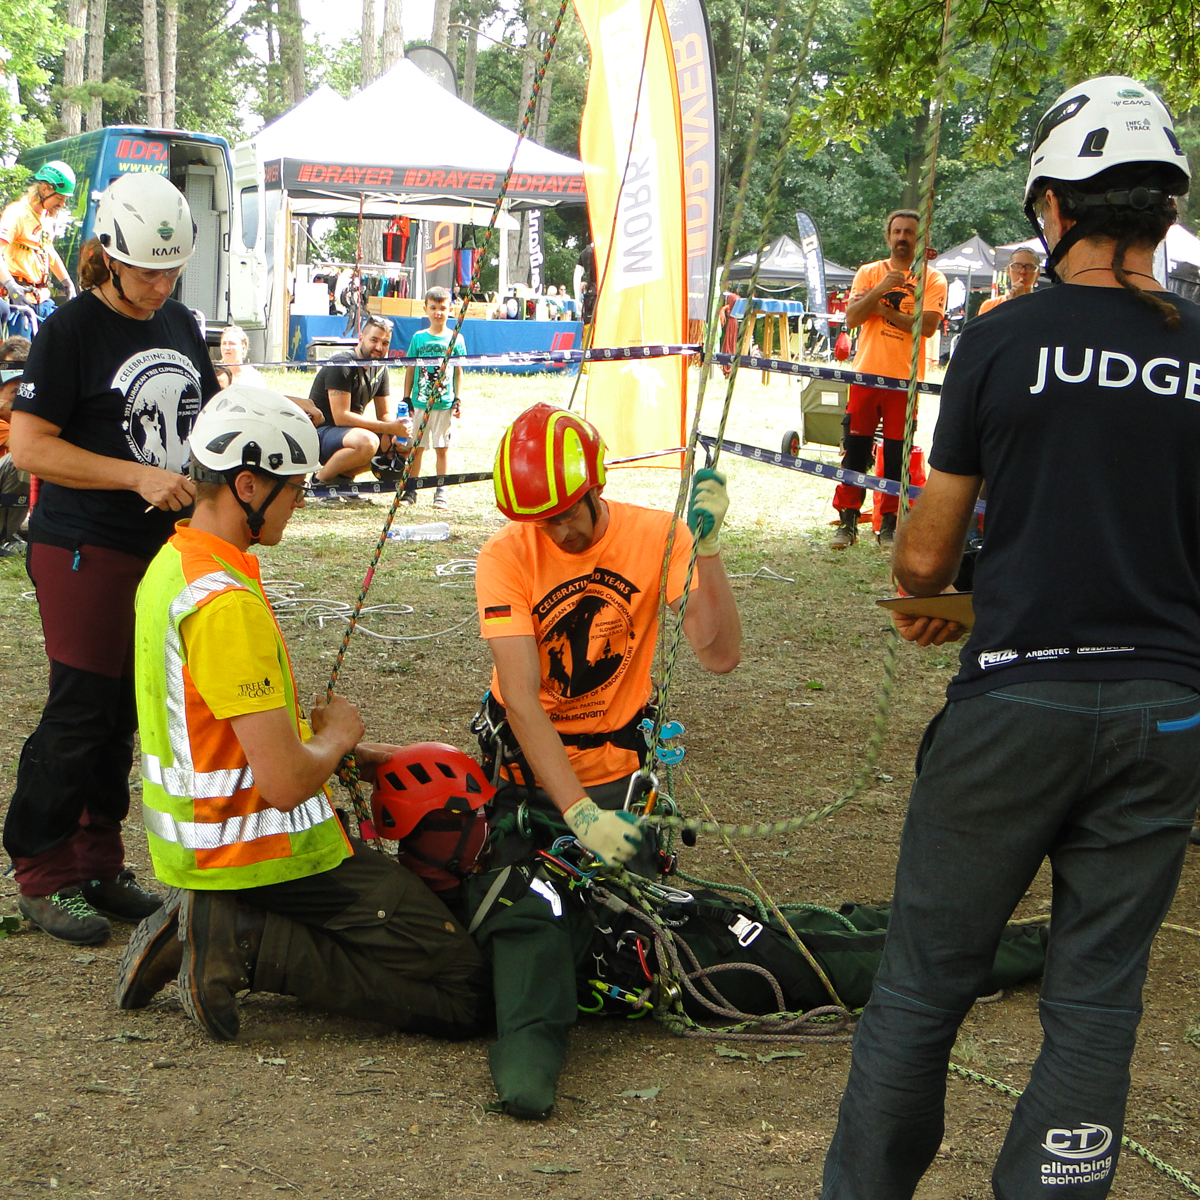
548, 460
427, 797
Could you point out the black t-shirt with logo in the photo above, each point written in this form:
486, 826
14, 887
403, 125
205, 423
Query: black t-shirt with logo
121, 388
341, 375
1082, 413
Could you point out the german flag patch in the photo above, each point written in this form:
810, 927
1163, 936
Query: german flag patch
498, 614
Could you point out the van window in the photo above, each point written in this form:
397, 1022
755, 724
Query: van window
250, 216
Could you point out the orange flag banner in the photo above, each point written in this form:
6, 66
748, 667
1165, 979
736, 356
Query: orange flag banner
631, 144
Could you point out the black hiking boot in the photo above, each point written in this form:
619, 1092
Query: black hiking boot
65, 915
847, 531
887, 531
121, 898
221, 939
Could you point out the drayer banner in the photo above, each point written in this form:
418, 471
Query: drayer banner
349, 178
692, 43
632, 148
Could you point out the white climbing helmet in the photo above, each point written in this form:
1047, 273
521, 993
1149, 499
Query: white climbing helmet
246, 426
144, 220
1101, 123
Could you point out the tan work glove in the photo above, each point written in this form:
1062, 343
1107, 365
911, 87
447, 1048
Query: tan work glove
611, 836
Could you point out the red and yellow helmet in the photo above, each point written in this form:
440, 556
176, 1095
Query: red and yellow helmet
547, 460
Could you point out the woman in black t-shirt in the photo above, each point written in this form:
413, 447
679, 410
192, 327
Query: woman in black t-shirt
111, 388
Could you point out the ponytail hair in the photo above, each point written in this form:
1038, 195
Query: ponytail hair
1125, 216
92, 270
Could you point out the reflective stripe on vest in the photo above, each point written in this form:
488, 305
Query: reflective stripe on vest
212, 835
197, 785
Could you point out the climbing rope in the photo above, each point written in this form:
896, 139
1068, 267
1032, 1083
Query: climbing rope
348, 770
891, 650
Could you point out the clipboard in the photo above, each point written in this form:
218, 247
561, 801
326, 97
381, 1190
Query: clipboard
949, 606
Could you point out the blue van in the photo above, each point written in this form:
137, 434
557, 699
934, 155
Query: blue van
198, 164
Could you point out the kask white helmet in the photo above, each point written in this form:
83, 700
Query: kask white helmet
144, 220
247, 427
1101, 123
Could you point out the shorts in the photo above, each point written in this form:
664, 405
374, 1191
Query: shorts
437, 431
330, 438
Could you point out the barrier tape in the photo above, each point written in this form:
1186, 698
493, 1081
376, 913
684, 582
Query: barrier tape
808, 466
516, 358
832, 374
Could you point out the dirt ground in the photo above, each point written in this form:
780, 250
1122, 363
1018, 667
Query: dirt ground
103, 1103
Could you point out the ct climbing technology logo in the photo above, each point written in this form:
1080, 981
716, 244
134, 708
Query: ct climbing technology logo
1087, 1141
166, 231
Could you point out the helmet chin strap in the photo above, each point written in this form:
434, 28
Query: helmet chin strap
255, 517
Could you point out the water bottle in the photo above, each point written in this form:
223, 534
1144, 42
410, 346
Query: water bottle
436, 531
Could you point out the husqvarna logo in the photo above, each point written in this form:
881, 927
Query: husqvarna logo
1087, 1141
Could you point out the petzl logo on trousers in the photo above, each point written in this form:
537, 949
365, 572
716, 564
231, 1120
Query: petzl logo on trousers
1088, 1141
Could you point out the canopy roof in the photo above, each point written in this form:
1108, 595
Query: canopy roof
783, 267
402, 143
973, 258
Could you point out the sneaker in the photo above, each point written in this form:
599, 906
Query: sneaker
66, 915
12, 549
153, 956
441, 497
121, 898
409, 497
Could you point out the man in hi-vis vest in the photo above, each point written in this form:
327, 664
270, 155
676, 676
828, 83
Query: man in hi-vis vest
268, 893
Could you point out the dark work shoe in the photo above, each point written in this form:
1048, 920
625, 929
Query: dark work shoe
153, 956
221, 939
847, 530
887, 531
409, 497
121, 898
66, 915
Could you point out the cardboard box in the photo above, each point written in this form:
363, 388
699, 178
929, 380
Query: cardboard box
393, 306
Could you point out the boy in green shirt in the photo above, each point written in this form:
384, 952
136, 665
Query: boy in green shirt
442, 401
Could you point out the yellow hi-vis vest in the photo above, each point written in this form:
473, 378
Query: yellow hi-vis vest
208, 826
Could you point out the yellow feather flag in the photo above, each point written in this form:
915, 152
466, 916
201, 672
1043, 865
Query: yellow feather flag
631, 144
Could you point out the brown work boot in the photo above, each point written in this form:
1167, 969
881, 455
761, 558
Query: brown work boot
65, 915
847, 531
153, 956
886, 537
221, 939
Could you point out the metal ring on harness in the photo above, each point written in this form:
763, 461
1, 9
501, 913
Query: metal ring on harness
524, 826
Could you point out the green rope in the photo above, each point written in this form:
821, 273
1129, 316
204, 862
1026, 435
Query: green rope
1169, 1171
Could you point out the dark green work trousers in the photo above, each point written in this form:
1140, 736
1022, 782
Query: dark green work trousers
370, 940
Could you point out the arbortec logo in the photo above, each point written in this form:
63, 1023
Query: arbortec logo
997, 658
1056, 653
1089, 1140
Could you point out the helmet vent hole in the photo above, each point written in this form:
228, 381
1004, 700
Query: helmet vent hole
445, 769
297, 451
220, 444
1093, 144
386, 819
395, 781
418, 772
473, 785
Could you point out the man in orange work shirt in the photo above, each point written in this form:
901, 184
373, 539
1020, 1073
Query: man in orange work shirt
1023, 270
882, 300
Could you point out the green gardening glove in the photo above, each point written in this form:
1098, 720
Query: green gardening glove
707, 510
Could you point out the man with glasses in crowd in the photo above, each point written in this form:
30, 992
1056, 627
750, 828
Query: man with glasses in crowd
1023, 270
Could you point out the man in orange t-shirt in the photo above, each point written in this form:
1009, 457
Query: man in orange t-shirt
568, 597
882, 300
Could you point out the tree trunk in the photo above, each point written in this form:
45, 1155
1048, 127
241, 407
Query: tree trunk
369, 44
542, 115
72, 111
392, 50
170, 36
97, 24
441, 23
291, 52
518, 245
470, 16
150, 63
915, 161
